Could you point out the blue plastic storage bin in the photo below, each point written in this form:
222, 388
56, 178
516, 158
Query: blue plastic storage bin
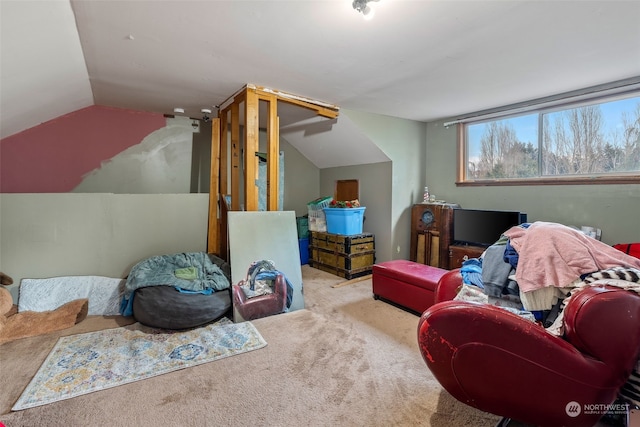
346, 221
304, 250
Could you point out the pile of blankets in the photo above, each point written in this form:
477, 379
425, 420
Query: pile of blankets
536, 265
534, 269
188, 272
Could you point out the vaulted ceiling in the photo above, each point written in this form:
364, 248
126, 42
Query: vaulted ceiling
419, 60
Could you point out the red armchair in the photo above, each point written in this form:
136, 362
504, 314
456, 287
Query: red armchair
501, 363
264, 305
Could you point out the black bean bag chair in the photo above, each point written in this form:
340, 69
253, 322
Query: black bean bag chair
165, 307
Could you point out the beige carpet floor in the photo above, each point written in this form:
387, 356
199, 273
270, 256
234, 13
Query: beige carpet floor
344, 360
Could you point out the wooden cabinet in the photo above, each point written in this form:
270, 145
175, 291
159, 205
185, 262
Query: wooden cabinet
460, 253
431, 233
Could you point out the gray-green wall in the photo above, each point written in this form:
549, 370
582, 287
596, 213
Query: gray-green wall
45, 235
375, 188
613, 208
426, 153
301, 180
105, 234
403, 141
95, 234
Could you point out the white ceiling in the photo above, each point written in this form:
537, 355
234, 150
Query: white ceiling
420, 60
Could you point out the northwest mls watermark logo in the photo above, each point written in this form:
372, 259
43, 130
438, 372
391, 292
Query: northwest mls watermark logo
573, 408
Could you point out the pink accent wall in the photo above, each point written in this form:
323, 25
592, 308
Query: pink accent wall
53, 156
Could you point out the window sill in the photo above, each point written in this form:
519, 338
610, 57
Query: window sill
632, 179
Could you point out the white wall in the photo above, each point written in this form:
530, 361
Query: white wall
48, 235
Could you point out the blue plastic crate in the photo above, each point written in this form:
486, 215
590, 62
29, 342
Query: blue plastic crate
346, 221
303, 244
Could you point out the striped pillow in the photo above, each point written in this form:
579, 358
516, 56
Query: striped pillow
631, 390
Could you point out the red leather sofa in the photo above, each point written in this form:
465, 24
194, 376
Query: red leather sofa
501, 363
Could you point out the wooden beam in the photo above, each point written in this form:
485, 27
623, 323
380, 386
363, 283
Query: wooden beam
235, 156
273, 154
321, 108
229, 144
352, 281
251, 144
321, 111
224, 152
213, 243
223, 185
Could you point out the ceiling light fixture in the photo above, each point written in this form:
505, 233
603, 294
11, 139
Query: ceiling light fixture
363, 7
205, 114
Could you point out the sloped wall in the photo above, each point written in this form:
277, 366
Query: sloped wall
160, 163
54, 156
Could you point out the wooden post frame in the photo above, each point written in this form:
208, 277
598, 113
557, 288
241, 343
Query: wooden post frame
227, 147
213, 240
251, 145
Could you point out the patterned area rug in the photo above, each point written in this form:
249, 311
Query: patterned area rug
81, 364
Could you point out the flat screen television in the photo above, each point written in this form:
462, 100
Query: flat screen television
483, 227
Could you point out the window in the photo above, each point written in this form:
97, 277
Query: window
595, 140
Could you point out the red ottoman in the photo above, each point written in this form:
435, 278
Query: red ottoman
409, 284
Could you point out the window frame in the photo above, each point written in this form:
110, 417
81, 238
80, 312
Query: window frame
540, 107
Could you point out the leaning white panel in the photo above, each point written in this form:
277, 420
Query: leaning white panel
270, 235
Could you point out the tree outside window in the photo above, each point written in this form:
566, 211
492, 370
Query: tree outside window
596, 139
